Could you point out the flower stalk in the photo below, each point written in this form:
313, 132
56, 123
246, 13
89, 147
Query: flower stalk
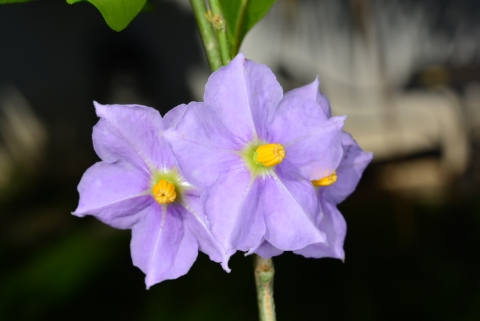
264, 273
220, 25
208, 36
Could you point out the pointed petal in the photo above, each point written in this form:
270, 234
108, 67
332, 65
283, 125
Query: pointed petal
196, 222
244, 94
335, 228
161, 246
131, 133
173, 116
350, 170
311, 91
231, 206
289, 220
113, 193
203, 147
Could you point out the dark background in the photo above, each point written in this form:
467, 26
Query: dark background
407, 256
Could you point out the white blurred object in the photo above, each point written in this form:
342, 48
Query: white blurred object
22, 136
360, 67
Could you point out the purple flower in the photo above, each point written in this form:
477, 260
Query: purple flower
256, 152
137, 186
331, 190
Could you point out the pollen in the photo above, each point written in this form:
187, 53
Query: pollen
326, 181
270, 154
164, 192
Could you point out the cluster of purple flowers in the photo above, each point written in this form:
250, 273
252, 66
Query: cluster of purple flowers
249, 169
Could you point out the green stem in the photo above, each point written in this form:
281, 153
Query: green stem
264, 273
220, 26
206, 32
238, 27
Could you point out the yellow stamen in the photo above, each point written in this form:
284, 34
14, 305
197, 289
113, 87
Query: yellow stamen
270, 154
164, 192
326, 181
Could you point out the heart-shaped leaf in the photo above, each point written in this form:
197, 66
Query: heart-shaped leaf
117, 13
241, 16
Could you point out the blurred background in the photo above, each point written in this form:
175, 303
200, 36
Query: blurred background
407, 73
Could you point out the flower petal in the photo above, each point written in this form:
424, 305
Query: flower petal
335, 228
131, 133
295, 117
162, 247
196, 222
113, 193
203, 147
267, 250
289, 220
350, 170
311, 91
312, 142
318, 154
232, 208
173, 116
244, 94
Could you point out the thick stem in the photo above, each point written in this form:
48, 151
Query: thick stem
220, 26
207, 34
264, 273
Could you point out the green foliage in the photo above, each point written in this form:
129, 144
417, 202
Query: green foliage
241, 16
117, 13
14, 1
54, 274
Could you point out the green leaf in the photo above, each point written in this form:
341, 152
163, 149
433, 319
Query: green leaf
241, 16
117, 13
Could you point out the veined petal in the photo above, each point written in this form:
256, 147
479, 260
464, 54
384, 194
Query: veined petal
335, 228
162, 247
289, 220
131, 133
195, 220
113, 193
203, 147
350, 170
233, 211
244, 94
311, 91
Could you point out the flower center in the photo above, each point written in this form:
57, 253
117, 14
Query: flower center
326, 181
269, 154
164, 192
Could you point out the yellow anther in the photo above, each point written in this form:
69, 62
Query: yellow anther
164, 192
326, 181
270, 154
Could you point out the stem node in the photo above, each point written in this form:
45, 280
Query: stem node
264, 273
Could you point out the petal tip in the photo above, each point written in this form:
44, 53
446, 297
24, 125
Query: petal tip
240, 56
77, 213
369, 156
225, 267
316, 82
